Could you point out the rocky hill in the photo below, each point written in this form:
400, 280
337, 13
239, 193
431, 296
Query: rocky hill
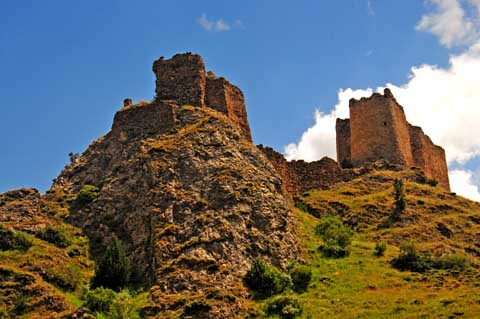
178, 191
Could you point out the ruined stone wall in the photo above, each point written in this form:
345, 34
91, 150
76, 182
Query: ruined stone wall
225, 97
154, 118
181, 78
429, 157
379, 130
290, 182
342, 128
316, 175
301, 176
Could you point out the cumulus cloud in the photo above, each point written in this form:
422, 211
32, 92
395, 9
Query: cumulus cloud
462, 182
445, 102
450, 23
219, 25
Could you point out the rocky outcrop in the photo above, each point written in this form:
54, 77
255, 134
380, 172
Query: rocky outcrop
378, 129
192, 203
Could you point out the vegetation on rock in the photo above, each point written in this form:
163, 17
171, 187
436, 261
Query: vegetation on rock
114, 270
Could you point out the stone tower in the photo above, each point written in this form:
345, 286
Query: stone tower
378, 129
183, 79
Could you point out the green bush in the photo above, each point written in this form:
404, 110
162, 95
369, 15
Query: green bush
66, 277
113, 270
301, 277
451, 261
14, 240
124, 306
336, 237
380, 248
56, 236
409, 259
87, 195
432, 182
266, 280
99, 299
286, 307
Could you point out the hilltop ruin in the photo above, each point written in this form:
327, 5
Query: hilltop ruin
183, 79
378, 129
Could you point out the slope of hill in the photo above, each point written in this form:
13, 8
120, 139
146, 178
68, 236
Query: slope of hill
175, 213
443, 226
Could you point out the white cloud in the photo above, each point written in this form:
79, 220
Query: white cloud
445, 102
450, 23
219, 25
319, 140
462, 182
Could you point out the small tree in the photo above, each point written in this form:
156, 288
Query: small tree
301, 277
113, 270
380, 248
266, 280
335, 235
399, 195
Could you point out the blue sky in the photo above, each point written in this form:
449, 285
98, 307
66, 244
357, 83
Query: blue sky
67, 65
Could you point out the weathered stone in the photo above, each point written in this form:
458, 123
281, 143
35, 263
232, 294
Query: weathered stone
342, 128
378, 129
181, 78
300, 176
127, 102
228, 99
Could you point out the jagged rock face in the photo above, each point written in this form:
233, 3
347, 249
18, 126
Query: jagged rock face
193, 201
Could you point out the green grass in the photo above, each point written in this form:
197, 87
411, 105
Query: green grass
365, 286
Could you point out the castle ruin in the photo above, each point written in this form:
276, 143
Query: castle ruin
184, 80
378, 129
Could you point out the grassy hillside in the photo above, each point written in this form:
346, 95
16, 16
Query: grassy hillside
44, 262
363, 285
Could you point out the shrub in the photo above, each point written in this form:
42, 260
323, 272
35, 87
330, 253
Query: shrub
99, 299
380, 248
409, 259
399, 195
335, 235
301, 277
113, 270
10, 240
286, 307
67, 277
124, 306
451, 261
266, 280
87, 195
432, 182
56, 236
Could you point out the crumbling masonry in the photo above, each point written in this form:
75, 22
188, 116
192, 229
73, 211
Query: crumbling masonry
183, 79
378, 129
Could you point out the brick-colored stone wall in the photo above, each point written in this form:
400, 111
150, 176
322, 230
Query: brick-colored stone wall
429, 157
155, 118
181, 78
342, 128
379, 130
300, 176
225, 97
